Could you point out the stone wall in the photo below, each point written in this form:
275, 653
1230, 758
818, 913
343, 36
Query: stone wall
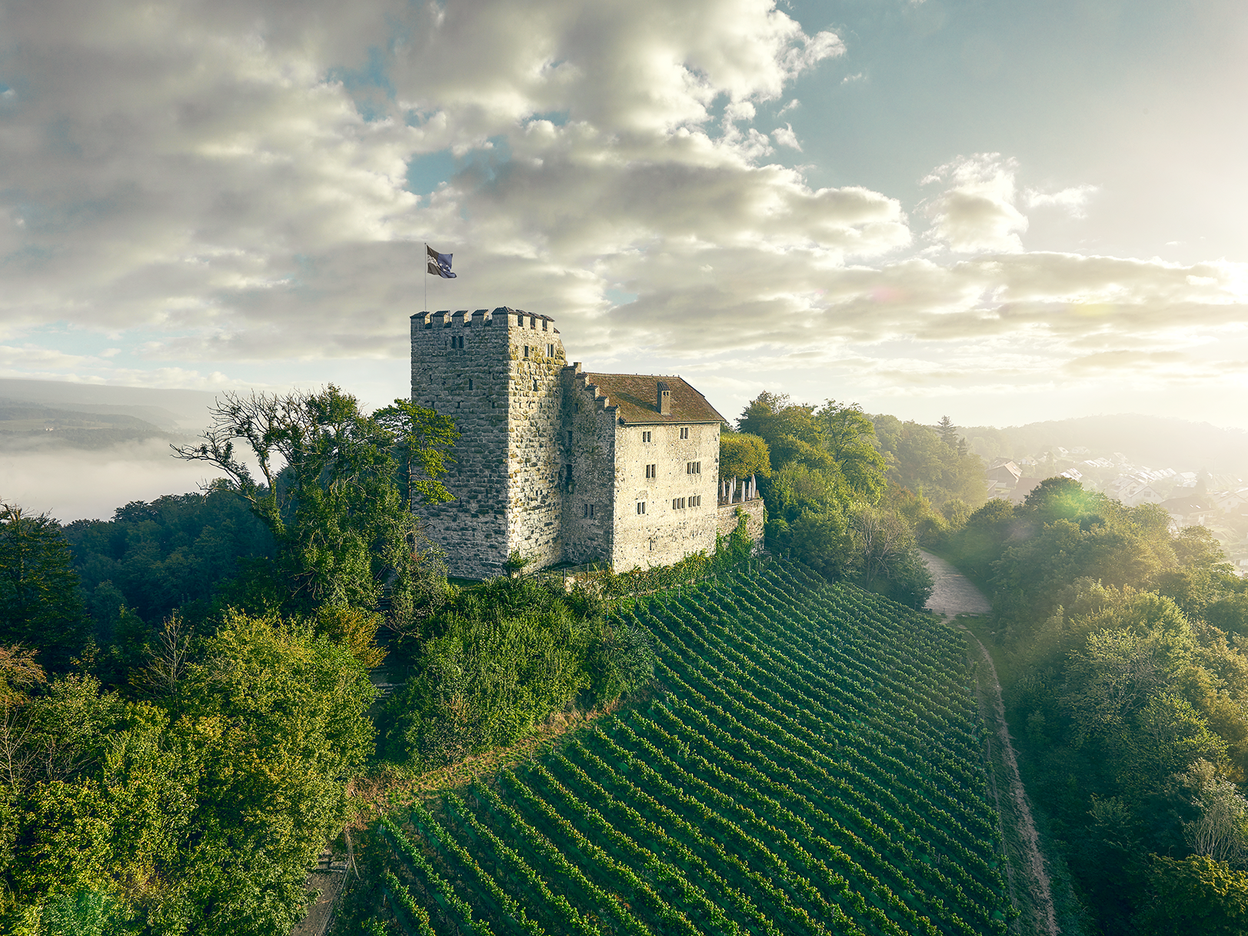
535, 504
588, 434
755, 519
473, 367
667, 531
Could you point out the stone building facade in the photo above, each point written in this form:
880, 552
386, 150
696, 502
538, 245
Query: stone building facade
558, 465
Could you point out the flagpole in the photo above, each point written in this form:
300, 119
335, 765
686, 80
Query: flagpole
425, 260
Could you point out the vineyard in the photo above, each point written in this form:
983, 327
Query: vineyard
810, 763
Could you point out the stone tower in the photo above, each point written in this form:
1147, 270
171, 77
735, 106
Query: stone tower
497, 375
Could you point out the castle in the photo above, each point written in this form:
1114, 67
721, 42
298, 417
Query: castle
555, 465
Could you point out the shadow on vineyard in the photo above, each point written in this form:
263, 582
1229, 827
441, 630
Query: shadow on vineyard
811, 761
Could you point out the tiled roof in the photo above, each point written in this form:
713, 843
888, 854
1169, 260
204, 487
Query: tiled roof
636, 397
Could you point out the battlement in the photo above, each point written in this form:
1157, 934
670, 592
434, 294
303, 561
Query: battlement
482, 318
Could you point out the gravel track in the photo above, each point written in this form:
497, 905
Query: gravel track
954, 595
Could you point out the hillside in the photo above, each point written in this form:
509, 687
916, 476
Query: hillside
811, 762
1184, 445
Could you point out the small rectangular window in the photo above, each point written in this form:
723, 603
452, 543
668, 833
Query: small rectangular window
652, 471
567, 476
645, 437
693, 467
589, 511
535, 385
526, 350
550, 350
674, 503
469, 383
641, 507
684, 432
569, 438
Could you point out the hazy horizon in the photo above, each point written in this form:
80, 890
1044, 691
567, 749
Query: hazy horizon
72, 482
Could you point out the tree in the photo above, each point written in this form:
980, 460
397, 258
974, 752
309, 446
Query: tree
332, 493
40, 604
849, 438
278, 719
742, 455
422, 438
929, 462
1196, 895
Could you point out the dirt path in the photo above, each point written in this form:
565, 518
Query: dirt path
953, 594
1032, 895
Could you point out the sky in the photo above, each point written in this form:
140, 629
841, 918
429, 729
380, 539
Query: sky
998, 211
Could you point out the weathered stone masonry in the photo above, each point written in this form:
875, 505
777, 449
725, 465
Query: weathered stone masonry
555, 464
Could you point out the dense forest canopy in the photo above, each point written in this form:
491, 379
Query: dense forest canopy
1128, 692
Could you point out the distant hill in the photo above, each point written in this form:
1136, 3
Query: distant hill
1155, 441
184, 411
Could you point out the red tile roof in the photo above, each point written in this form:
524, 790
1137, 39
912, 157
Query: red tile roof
636, 397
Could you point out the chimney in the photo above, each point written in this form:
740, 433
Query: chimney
665, 400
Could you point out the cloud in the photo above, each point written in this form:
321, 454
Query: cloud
222, 189
234, 176
976, 211
1072, 200
786, 137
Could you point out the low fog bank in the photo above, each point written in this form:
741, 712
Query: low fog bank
76, 484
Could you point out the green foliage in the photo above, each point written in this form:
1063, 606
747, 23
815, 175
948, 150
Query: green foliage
278, 721
1133, 708
835, 439
421, 439
500, 659
1196, 895
175, 552
886, 558
931, 462
742, 455
198, 814
40, 605
335, 498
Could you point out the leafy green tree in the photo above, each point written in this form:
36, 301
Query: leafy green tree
930, 462
278, 719
503, 657
176, 552
1196, 895
849, 437
331, 492
40, 604
885, 555
422, 439
742, 455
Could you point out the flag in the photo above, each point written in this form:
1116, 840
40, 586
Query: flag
439, 264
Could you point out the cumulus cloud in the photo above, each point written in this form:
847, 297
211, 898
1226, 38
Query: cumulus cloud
217, 184
976, 210
1073, 201
234, 177
786, 137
